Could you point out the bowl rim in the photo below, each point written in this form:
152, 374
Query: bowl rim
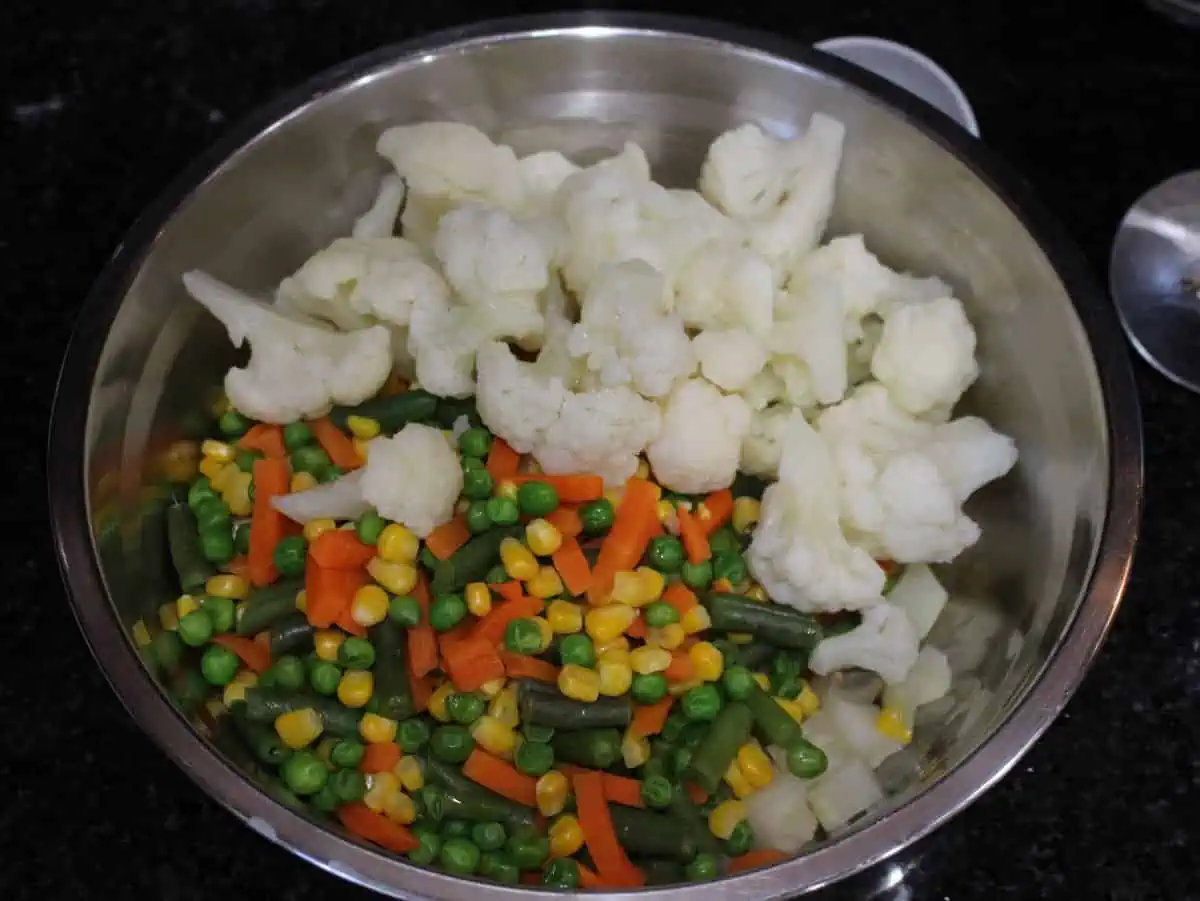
1044, 698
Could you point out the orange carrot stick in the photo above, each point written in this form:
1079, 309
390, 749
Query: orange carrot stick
680, 669
518, 666
612, 864
336, 444
623, 790
501, 777
572, 488
680, 597
502, 461
329, 592
493, 625
637, 629
648, 719
340, 549
266, 523
345, 620
719, 505
636, 519
422, 691
266, 439
695, 541
448, 538
752, 860
359, 819
589, 879
254, 655
380, 757
422, 641
510, 590
472, 662
567, 520
572, 566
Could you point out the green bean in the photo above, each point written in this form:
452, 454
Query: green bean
392, 686
545, 705
471, 562
595, 748
642, 832
267, 606
183, 539
756, 654
690, 822
260, 738
746, 485
392, 413
772, 623
659, 871
450, 408
775, 722
462, 799
292, 633
263, 705
729, 731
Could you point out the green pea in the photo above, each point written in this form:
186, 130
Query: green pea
489, 836
522, 636
738, 682
702, 703
412, 735
289, 673
465, 708
369, 527
659, 614
786, 675
241, 538
648, 688
496, 575
356, 653
537, 498
213, 514
458, 855
200, 491
451, 744
433, 797
577, 649
534, 758
475, 442
696, 575
562, 872
478, 519
498, 868
597, 517
350, 785
245, 460
702, 868
310, 459
304, 773
725, 541
806, 760
291, 556
196, 628
681, 760
222, 612
167, 649
330, 473
447, 611
502, 511
326, 800
477, 485
665, 554
217, 544
537, 732
674, 726
233, 424
296, 435
741, 840
471, 464
405, 611
657, 791
730, 566
429, 848
348, 753
219, 665
528, 849
456, 829
324, 676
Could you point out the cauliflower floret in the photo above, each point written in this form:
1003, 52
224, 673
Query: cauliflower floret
763, 390
926, 355
808, 348
729, 358
799, 552
382, 220
724, 284
298, 369
970, 453
542, 174
779, 814
701, 439
625, 337
745, 172
452, 161
762, 447
884, 642
413, 478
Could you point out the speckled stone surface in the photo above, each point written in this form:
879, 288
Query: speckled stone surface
104, 102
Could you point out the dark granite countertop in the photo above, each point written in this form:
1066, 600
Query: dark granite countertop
105, 102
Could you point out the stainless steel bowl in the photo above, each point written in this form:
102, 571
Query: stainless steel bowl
1059, 532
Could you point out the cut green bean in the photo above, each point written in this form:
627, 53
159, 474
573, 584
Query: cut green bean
775, 722
772, 623
392, 413
729, 731
471, 562
595, 748
187, 555
267, 606
545, 705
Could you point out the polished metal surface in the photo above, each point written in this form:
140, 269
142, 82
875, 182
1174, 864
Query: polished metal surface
1154, 274
1033, 600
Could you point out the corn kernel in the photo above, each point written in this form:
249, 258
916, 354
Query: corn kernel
725, 817
315, 528
493, 687
325, 749
303, 481
695, 620
542, 537
702, 513
756, 593
327, 642
579, 683
237, 495
186, 604
381, 788
891, 724
437, 702
397, 544
808, 700
168, 617
507, 489
635, 749
755, 765
616, 676
493, 736
614, 495
398, 578
141, 635
236, 690
376, 729
664, 510
179, 461
564, 617
617, 649
503, 708
363, 427
640, 587
479, 598
763, 682
792, 708
360, 447
302, 600
723, 585
399, 808
603, 624
300, 728
707, 662
355, 687
647, 660
222, 481
551, 793
546, 584
736, 780
746, 511
566, 836
210, 468
741, 637
410, 774
670, 636
369, 606
518, 560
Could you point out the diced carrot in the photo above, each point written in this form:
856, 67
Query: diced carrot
451, 637
623, 790
501, 777
612, 864
680, 669
422, 691
572, 566
422, 640
625, 543
345, 620
510, 590
589, 879
336, 444
680, 597
492, 625
329, 592
695, 793
695, 541
265, 438
472, 662
448, 538
637, 629
752, 860
571, 488
359, 819
380, 757
567, 520
519, 666
648, 719
340, 549
502, 461
719, 505
271, 478
254, 655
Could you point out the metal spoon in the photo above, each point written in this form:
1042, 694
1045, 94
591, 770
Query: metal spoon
1154, 276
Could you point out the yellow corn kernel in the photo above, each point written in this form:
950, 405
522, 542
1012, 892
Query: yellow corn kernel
186, 604
236, 690
227, 586
376, 729
543, 538
237, 495
741, 637
793, 708
493, 687
327, 642
381, 788
369, 606
616, 675
479, 598
763, 682
736, 780
725, 817
696, 620
218, 450
410, 774
646, 660
756, 593
493, 736
603, 624
746, 511
325, 749
702, 513
755, 765
507, 489
360, 448
314, 529
544, 631
210, 468
579, 683
518, 560
399, 808
302, 600
635, 749
355, 687
300, 728
614, 495
566, 836
398, 544
179, 461
546, 584
168, 617
723, 585
670, 636
564, 617
551, 793
398, 578
808, 700
707, 661
891, 723
304, 481
437, 702
640, 587
363, 427
664, 510
503, 708
141, 635
617, 649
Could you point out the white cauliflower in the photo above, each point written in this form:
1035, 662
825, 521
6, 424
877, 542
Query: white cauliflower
762, 447
926, 355
729, 358
885, 642
413, 478
541, 175
927, 681
298, 368
763, 390
746, 172
624, 336
808, 348
452, 161
340, 499
726, 285
701, 439
779, 814
381, 220
799, 552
